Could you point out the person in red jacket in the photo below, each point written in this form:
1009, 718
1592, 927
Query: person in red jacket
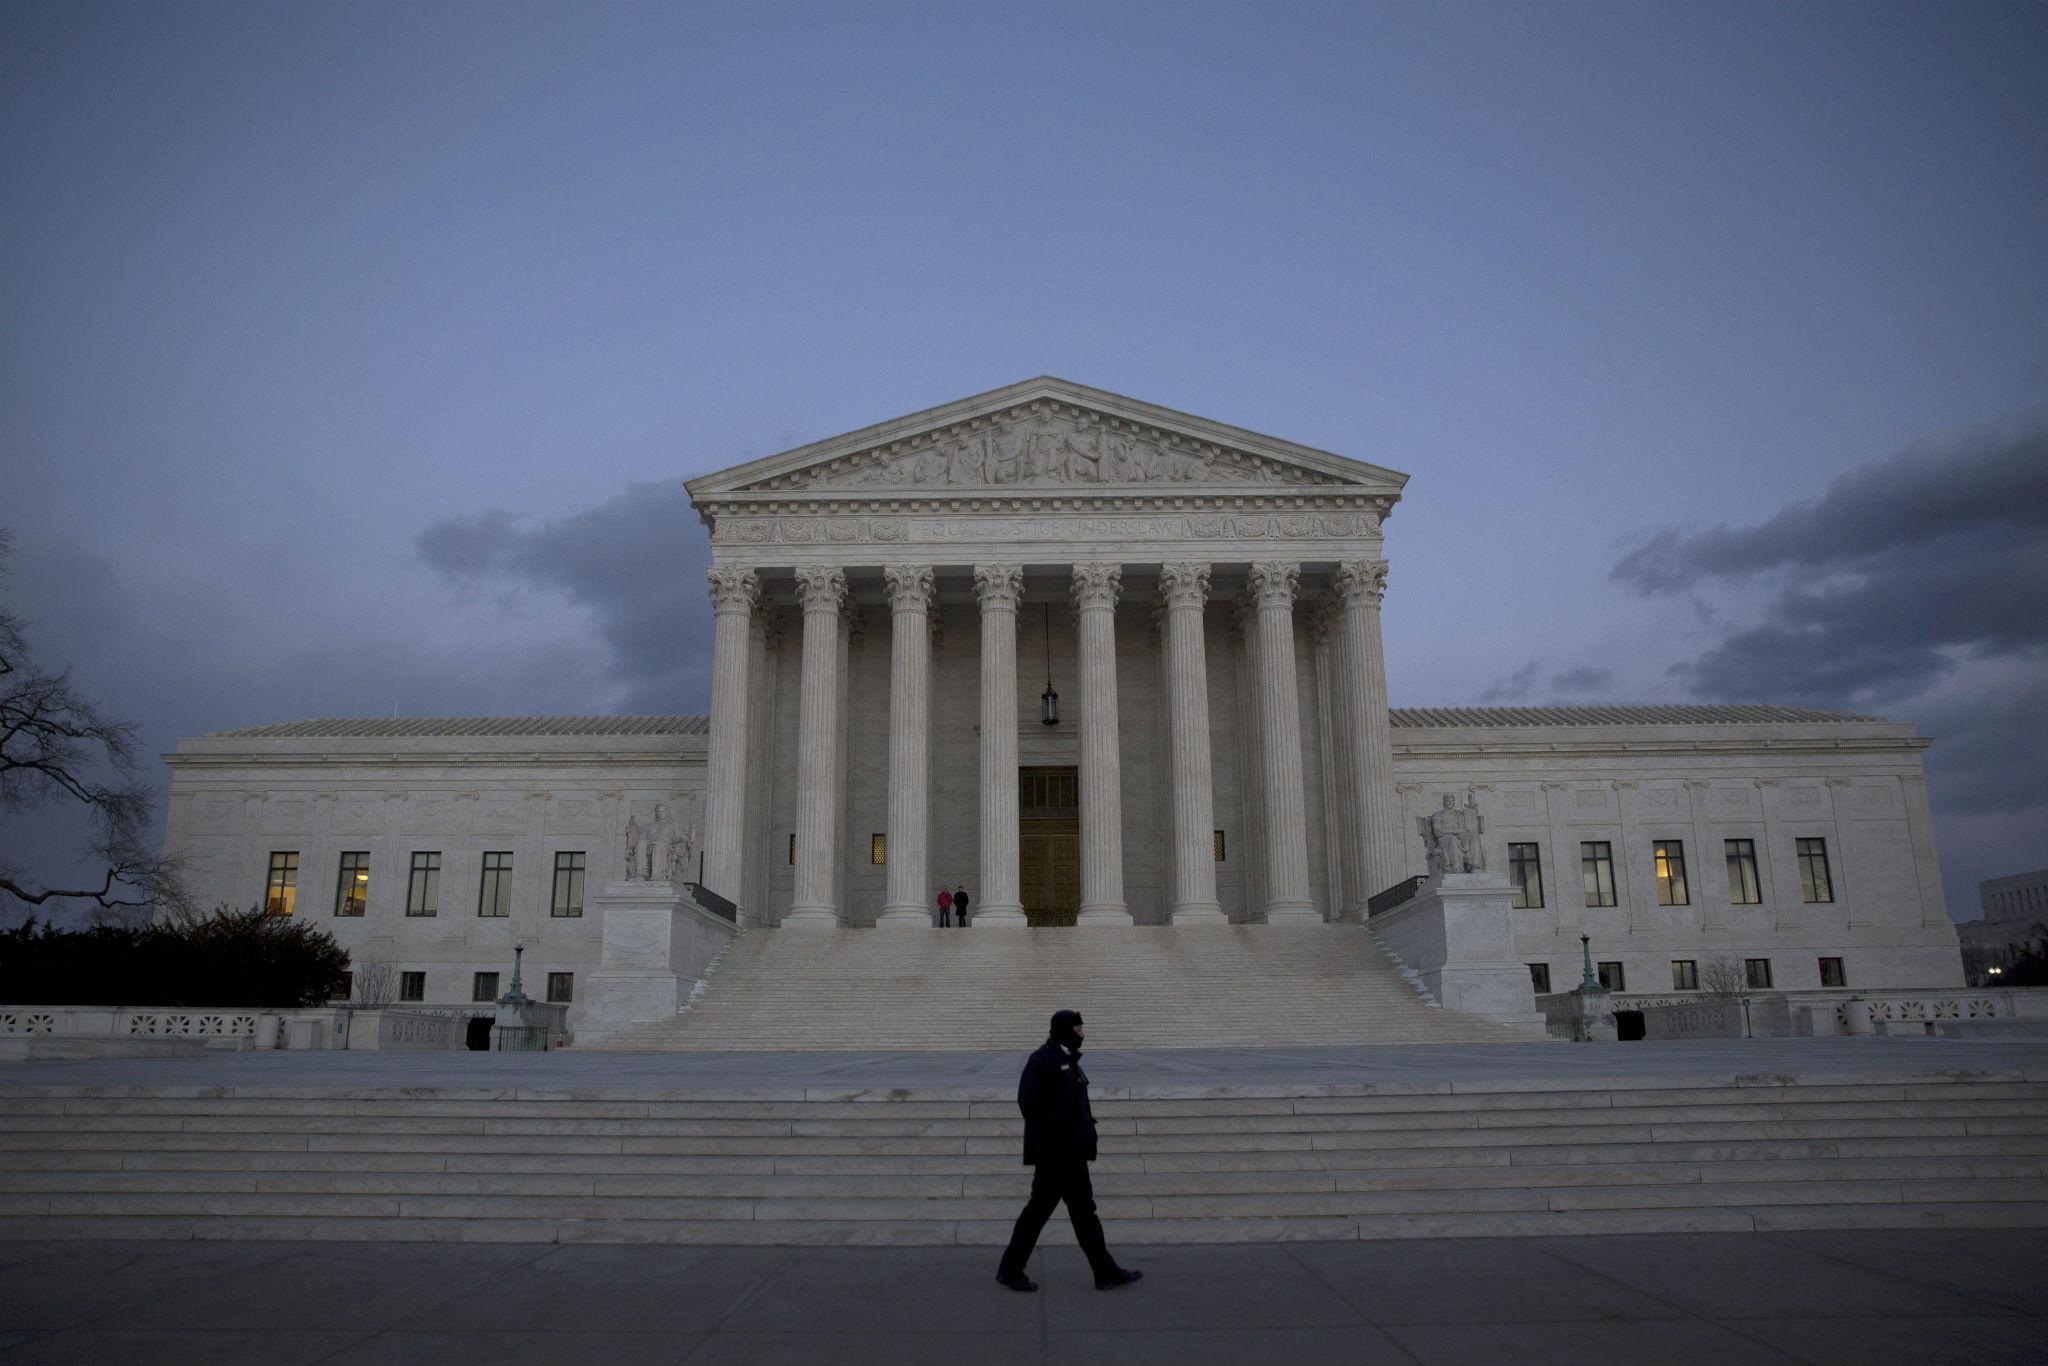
945, 908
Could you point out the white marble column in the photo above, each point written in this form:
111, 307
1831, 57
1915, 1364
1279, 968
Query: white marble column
999, 587
734, 593
910, 777
1333, 755
1096, 589
1185, 588
822, 590
1360, 585
1287, 901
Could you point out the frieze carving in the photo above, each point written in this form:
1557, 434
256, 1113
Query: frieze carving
846, 530
1046, 446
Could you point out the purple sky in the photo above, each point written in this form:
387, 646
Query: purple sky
1715, 337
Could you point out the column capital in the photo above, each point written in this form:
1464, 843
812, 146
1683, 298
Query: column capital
821, 588
1097, 584
910, 587
998, 585
733, 589
1361, 581
1272, 582
1184, 584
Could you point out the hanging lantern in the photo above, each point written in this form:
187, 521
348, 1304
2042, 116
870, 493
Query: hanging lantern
1048, 701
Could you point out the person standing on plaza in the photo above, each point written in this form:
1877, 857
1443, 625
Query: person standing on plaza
960, 906
1059, 1143
945, 908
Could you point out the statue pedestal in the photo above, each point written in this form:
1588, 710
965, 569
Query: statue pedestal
1457, 932
656, 943
1592, 1016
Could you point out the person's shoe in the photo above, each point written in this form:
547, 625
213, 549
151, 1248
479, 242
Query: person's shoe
1016, 1280
1117, 1278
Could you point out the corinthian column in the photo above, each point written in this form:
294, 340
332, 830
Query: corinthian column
734, 592
822, 591
1287, 895
1360, 585
910, 687
1185, 589
1096, 588
999, 587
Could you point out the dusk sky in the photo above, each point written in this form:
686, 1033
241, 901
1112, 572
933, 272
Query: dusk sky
354, 354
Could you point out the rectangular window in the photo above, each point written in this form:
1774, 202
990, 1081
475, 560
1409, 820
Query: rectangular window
1525, 871
423, 885
1539, 978
1219, 846
484, 987
792, 848
348, 987
1814, 883
878, 849
1670, 859
1596, 859
412, 986
1685, 975
1756, 973
562, 987
494, 892
568, 898
1743, 889
352, 885
281, 891
1831, 974
1612, 977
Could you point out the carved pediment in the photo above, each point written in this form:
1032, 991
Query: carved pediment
1047, 434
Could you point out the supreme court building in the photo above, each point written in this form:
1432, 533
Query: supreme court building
1106, 665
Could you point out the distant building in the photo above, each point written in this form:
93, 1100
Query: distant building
2015, 920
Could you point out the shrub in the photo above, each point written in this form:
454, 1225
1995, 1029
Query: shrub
228, 958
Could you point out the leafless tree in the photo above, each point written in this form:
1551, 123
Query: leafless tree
373, 983
1722, 978
57, 747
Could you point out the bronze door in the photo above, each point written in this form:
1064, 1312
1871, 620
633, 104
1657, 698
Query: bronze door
1049, 845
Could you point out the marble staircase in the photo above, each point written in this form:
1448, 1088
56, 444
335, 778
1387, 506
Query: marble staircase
1222, 986
1326, 1162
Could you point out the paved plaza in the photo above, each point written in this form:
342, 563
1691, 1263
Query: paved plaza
1969, 1296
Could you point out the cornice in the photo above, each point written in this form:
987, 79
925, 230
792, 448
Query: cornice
689, 758
1638, 748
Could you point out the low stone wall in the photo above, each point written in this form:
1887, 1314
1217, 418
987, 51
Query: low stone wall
325, 1027
1834, 1012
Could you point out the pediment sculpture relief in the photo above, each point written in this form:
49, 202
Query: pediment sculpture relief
1045, 450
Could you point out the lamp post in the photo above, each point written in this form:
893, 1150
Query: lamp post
1591, 980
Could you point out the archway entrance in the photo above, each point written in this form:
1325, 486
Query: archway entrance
1049, 844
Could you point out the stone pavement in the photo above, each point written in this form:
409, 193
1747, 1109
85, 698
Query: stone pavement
791, 1074
1859, 1298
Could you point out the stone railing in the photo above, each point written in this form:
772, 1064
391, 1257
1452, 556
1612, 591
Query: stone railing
1398, 894
324, 1027
1829, 1011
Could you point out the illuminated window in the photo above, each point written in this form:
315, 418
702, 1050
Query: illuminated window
412, 986
1525, 871
1596, 859
1756, 972
281, 892
568, 898
1831, 974
1814, 883
1670, 860
494, 892
1685, 974
352, 885
1539, 978
1742, 884
423, 885
1612, 977
484, 987
1217, 840
562, 987
878, 849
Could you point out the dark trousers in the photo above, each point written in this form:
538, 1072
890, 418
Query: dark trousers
1052, 1182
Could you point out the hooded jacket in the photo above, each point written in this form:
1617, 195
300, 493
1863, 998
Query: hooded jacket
1053, 1094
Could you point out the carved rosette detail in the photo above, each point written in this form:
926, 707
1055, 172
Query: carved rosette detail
1273, 582
1362, 578
910, 587
998, 586
733, 590
1184, 584
1097, 584
821, 588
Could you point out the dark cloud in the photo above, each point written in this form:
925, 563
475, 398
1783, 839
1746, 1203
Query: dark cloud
1527, 686
635, 562
1515, 688
1877, 589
